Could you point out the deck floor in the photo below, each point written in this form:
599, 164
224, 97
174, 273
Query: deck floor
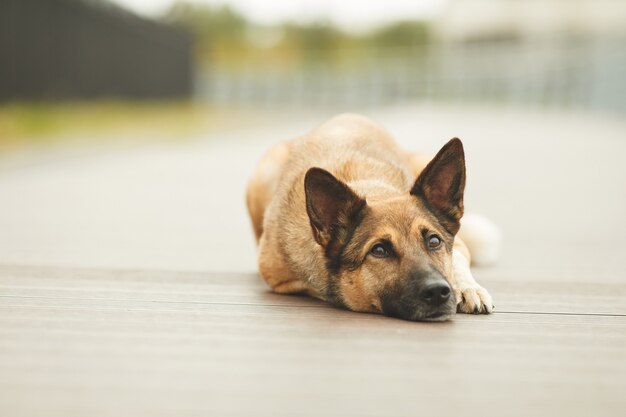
78, 342
99, 318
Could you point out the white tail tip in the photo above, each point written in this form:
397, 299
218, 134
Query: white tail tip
482, 237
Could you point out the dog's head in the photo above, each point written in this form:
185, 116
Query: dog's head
391, 254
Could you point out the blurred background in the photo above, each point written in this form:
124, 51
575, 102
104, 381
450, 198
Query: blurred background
316, 52
128, 128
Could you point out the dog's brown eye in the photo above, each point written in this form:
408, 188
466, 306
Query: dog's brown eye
434, 242
379, 251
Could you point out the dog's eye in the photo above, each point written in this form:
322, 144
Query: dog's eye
379, 251
434, 242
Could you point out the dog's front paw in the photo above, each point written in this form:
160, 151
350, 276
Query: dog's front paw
473, 299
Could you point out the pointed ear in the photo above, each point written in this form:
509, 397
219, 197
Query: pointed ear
331, 205
441, 185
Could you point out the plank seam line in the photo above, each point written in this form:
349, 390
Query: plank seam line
562, 313
322, 306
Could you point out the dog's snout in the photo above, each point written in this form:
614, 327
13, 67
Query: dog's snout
425, 297
435, 292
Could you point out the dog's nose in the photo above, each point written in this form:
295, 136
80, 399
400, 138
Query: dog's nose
435, 292
420, 297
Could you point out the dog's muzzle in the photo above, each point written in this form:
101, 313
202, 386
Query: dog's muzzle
427, 298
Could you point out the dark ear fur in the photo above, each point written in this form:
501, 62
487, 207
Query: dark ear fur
441, 185
331, 205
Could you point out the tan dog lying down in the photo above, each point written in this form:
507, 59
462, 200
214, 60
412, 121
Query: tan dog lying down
344, 215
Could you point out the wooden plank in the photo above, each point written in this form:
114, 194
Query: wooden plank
110, 343
73, 286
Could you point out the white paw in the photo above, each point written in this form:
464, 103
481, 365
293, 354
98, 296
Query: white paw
473, 299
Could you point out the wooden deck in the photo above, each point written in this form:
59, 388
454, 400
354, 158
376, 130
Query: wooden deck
79, 342
110, 325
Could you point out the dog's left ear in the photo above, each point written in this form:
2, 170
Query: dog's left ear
441, 185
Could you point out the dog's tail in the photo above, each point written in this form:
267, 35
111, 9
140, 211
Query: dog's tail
482, 237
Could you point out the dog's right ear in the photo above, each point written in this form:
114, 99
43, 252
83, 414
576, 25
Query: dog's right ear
331, 205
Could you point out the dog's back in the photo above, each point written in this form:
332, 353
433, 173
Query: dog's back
352, 148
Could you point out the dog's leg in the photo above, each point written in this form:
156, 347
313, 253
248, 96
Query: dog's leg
274, 268
470, 296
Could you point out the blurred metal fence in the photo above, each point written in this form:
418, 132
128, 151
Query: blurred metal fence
588, 74
57, 49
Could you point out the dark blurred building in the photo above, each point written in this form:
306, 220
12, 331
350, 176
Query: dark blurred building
83, 49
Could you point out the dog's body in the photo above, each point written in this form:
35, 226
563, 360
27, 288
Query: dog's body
338, 214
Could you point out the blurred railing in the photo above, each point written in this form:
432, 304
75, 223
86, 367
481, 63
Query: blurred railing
575, 74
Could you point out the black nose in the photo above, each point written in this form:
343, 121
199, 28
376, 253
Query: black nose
435, 292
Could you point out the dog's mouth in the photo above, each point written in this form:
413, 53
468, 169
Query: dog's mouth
437, 316
434, 317
441, 314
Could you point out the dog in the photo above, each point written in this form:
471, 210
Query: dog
346, 216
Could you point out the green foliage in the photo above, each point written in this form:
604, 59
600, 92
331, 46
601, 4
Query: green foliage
400, 34
313, 36
211, 27
208, 22
222, 36
312, 42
